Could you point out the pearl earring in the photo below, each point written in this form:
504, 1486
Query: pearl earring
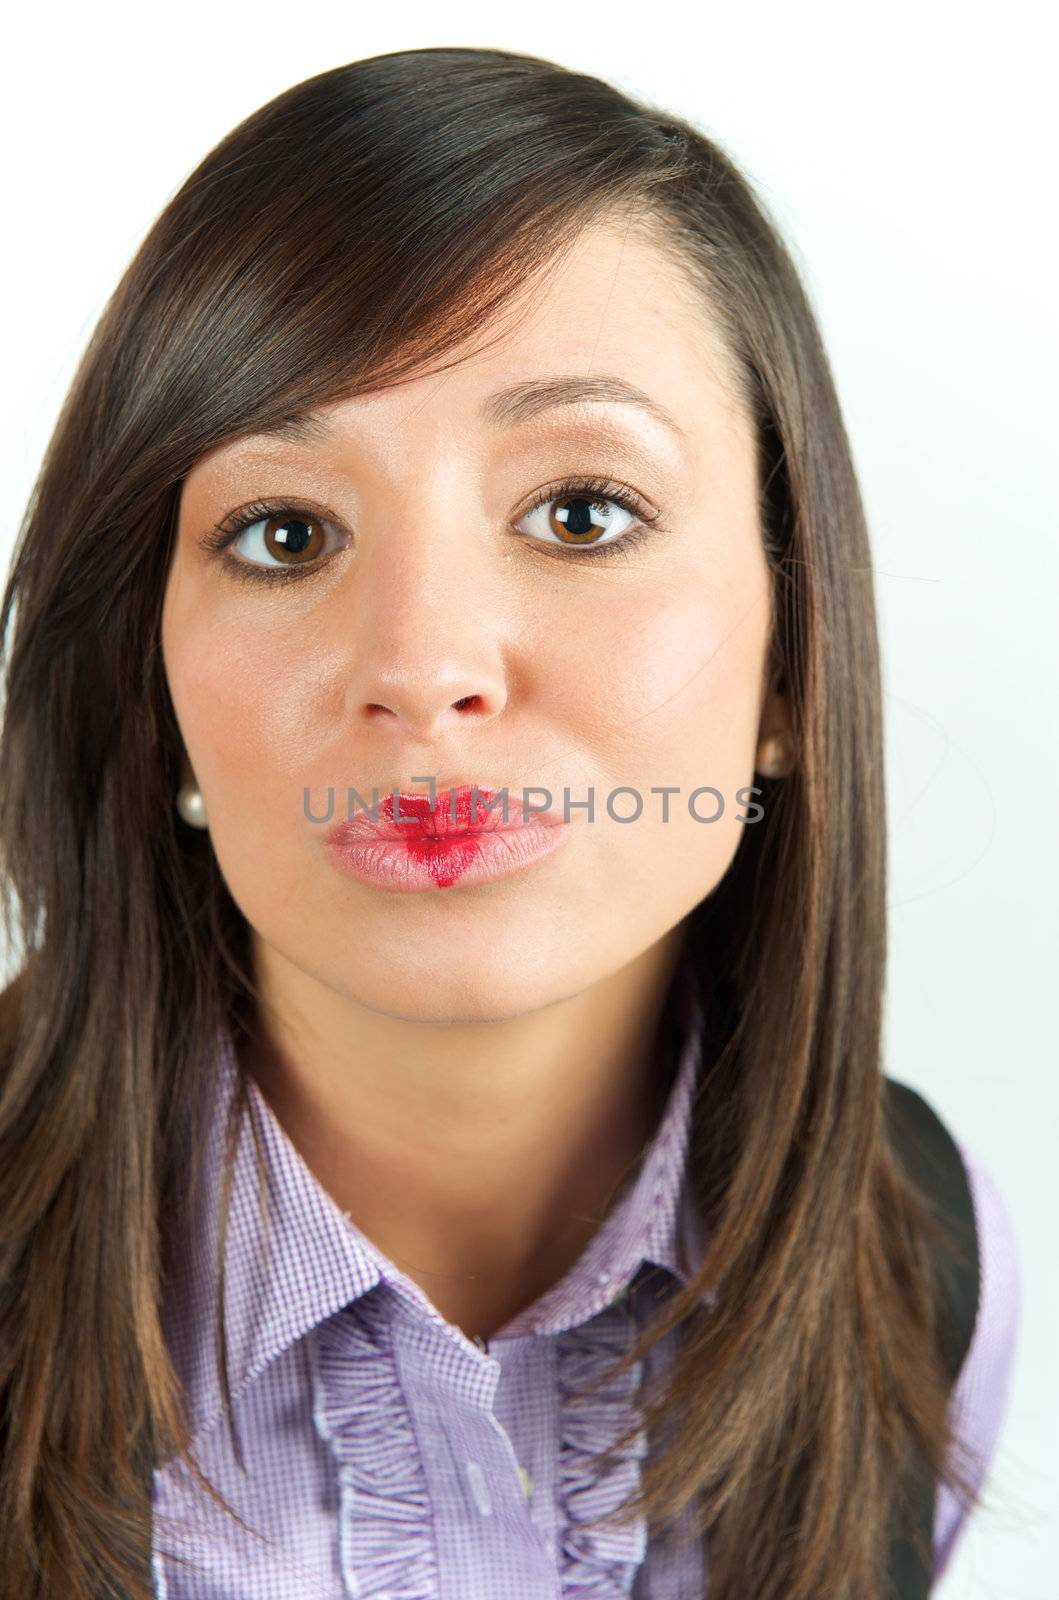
775, 757
191, 805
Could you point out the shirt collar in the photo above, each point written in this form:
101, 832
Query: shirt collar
320, 1261
656, 1219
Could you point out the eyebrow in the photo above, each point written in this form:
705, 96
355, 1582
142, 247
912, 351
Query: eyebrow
507, 408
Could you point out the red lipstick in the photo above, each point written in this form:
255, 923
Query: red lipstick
471, 834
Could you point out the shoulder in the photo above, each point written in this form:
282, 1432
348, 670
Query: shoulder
937, 1156
928, 1154
979, 1399
956, 1175
980, 1395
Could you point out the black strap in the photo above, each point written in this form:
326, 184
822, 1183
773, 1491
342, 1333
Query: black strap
929, 1155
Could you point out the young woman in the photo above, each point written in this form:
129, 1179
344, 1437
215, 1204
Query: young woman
444, 1143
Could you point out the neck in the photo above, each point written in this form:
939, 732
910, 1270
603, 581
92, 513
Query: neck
481, 1158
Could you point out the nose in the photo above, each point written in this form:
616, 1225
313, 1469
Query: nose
425, 711
431, 632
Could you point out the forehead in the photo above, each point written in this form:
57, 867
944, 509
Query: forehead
613, 304
613, 324
613, 288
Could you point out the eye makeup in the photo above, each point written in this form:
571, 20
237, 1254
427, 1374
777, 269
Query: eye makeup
598, 491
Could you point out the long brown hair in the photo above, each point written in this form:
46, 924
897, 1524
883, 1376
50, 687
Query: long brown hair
351, 233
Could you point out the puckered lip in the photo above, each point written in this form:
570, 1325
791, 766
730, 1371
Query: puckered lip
457, 811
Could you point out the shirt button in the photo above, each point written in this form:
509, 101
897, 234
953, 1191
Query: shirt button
479, 1488
527, 1482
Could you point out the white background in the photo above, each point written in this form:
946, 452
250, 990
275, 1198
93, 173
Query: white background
908, 157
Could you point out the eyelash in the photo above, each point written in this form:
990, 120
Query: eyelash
588, 488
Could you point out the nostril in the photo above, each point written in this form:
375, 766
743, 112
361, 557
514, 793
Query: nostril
467, 700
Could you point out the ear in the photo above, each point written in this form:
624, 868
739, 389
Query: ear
775, 745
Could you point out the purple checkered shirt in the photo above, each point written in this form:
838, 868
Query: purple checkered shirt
389, 1457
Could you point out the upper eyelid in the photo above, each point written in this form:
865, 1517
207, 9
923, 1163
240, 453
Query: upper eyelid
276, 504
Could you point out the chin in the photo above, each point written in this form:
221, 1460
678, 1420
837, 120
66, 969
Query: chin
457, 995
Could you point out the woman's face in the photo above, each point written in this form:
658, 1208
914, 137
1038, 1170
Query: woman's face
446, 630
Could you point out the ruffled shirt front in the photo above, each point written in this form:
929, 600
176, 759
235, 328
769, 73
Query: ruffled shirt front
387, 1456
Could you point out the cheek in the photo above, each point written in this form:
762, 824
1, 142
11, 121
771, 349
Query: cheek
670, 688
236, 707
669, 698
241, 715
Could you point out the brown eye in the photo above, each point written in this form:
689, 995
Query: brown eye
291, 540
275, 540
579, 517
576, 520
